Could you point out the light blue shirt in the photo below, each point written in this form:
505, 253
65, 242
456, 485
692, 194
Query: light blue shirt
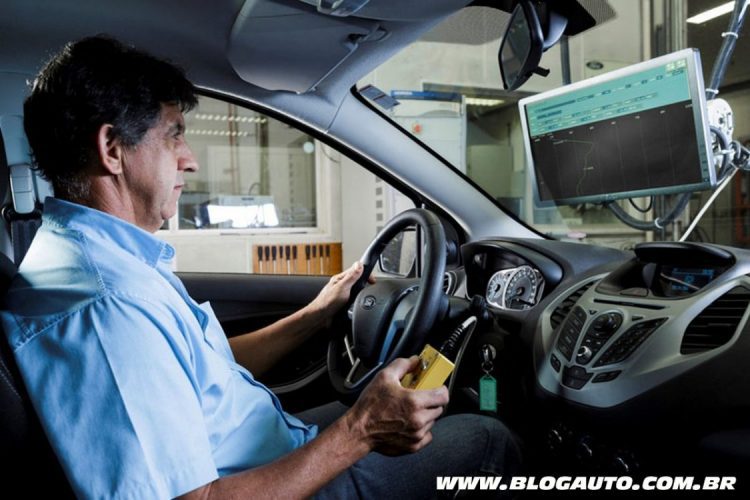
134, 382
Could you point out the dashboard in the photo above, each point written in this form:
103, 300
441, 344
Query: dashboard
610, 328
508, 275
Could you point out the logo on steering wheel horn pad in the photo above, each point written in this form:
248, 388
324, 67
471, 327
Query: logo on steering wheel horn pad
369, 302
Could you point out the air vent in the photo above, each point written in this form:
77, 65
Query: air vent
561, 311
449, 283
717, 323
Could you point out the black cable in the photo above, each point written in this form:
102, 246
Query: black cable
642, 210
727, 48
657, 223
741, 156
717, 75
724, 146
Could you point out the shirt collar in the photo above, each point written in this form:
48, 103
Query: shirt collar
103, 226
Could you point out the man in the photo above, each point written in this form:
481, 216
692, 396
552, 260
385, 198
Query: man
136, 385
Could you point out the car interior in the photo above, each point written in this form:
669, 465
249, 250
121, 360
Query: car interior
613, 346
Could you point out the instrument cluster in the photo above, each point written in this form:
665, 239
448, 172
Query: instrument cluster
515, 288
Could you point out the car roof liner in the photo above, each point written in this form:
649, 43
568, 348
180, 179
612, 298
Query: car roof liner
316, 44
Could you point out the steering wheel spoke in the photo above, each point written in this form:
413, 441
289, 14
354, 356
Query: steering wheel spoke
349, 352
353, 371
351, 383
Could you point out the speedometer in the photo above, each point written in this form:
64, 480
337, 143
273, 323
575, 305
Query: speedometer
522, 288
516, 288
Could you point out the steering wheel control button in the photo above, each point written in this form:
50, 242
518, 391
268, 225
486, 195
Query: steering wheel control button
555, 362
575, 377
628, 342
606, 376
584, 355
570, 331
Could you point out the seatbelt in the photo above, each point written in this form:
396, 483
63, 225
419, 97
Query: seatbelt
25, 215
23, 228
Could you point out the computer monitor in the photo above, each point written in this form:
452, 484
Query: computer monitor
637, 131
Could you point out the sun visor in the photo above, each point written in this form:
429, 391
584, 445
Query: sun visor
312, 45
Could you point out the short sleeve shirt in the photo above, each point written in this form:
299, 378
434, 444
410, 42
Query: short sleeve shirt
134, 382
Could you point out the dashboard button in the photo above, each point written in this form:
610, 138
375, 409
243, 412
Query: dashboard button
555, 362
606, 376
577, 372
629, 341
566, 350
569, 333
575, 377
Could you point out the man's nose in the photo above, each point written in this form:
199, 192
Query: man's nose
187, 161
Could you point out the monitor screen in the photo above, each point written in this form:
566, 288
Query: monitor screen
637, 131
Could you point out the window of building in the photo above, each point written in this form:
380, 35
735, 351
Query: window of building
271, 199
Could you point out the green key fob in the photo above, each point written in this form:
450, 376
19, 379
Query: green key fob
488, 393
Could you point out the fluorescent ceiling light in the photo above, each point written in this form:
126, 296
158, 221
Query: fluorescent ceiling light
230, 118
228, 133
709, 14
483, 101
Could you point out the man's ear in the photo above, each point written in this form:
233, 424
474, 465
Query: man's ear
109, 150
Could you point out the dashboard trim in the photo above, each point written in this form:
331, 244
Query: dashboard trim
654, 362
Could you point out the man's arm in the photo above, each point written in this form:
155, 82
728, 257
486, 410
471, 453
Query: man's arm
386, 418
260, 350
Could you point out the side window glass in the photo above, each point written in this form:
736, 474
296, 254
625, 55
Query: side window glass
256, 172
271, 199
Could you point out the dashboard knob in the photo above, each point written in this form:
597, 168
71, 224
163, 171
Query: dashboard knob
608, 323
555, 440
624, 463
585, 450
584, 355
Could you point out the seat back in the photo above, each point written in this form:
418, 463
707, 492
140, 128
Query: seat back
32, 467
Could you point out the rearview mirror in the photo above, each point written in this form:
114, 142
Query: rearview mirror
525, 39
521, 47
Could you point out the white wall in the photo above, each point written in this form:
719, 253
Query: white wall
231, 251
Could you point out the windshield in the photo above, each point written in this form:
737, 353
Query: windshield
450, 96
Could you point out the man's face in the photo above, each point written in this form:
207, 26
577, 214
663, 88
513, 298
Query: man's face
154, 169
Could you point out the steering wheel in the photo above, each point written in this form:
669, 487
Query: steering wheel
390, 318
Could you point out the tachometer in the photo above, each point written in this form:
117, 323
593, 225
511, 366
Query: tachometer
496, 288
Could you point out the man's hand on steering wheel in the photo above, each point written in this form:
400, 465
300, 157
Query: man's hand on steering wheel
336, 293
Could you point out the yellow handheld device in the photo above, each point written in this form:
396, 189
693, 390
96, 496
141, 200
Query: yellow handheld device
432, 371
